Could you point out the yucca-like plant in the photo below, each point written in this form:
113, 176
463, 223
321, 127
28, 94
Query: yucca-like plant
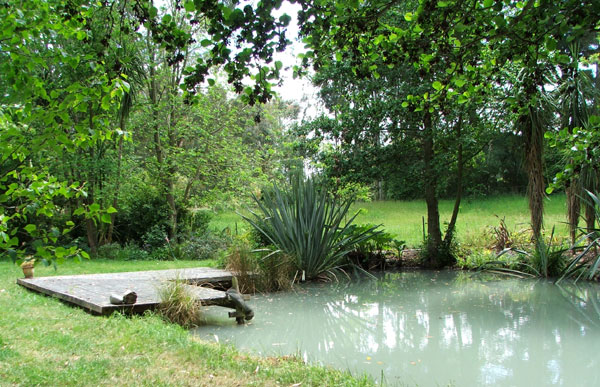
586, 264
307, 224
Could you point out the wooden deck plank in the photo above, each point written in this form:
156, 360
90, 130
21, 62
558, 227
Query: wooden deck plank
92, 291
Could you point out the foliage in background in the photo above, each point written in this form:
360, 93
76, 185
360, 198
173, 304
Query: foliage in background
307, 224
45, 116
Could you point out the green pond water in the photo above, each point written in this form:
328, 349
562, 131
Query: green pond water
431, 328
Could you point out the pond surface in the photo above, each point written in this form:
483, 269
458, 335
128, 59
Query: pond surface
432, 328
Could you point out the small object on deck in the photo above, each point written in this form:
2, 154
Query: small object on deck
127, 298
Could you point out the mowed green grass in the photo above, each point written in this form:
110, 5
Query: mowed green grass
476, 217
46, 342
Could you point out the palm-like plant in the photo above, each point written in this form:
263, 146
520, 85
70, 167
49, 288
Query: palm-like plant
308, 225
586, 264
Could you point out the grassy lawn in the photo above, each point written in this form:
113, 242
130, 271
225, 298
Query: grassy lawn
476, 217
46, 342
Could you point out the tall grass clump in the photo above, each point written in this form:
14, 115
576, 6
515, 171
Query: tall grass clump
255, 273
308, 225
178, 305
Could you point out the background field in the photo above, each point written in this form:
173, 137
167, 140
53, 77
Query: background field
476, 218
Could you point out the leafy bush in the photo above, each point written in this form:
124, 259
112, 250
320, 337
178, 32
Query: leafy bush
129, 252
196, 223
481, 258
143, 212
305, 223
205, 246
354, 191
155, 237
371, 252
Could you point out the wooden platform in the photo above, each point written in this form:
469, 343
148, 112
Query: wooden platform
92, 291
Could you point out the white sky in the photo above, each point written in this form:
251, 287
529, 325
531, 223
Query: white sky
293, 89
300, 91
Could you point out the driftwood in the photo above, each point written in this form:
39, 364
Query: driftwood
127, 298
242, 310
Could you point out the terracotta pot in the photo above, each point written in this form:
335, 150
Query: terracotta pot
28, 271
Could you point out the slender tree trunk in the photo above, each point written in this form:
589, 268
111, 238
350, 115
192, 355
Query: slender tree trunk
90, 226
434, 234
115, 202
590, 217
165, 172
459, 187
573, 207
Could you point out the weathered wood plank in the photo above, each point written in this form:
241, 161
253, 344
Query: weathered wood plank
92, 291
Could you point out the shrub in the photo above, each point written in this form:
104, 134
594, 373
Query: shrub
354, 191
129, 252
205, 246
305, 223
140, 213
143, 211
480, 258
371, 252
155, 237
196, 222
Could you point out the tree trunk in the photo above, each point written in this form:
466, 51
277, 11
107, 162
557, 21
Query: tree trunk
459, 178
533, 134
165, 172
434, 234
573, 207
115, 202
590, 217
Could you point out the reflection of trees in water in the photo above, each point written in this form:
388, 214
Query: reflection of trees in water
583, 300
481, 330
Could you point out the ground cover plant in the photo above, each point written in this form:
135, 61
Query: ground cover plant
46, 342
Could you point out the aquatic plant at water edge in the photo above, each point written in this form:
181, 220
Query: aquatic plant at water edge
586, 264
309, 225
178, 305
273, 272
544, 260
